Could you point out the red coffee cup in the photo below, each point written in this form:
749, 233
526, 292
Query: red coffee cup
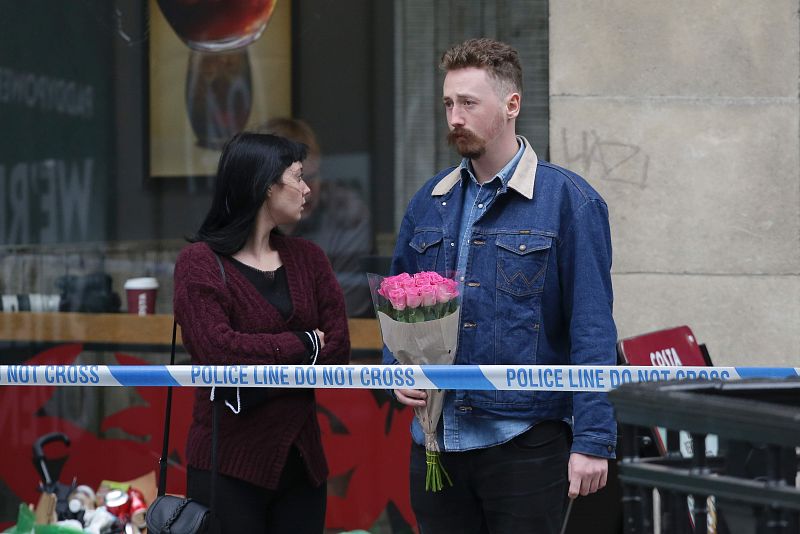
141, 293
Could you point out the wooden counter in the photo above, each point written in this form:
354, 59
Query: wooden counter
127, 329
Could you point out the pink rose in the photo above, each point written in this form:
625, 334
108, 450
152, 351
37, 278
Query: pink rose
428, 295
391, 282
387, 285
435, 278
413, 298
409, 285
446, 291
398, 299
421, 279
443, 294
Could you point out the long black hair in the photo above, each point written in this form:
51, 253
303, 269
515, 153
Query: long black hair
250, 164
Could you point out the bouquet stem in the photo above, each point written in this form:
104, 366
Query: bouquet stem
435, 471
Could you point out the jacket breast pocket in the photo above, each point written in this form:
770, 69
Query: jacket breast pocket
522, 263
428, 245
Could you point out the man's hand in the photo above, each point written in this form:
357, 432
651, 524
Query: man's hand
587, 474
411, 397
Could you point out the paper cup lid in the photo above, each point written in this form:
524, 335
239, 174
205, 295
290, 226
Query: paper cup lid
141, 283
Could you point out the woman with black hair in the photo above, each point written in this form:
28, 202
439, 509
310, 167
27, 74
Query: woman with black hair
245, 294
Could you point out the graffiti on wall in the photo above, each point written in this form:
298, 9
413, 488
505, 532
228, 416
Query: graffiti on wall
605, 159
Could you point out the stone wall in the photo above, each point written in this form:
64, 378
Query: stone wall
684, 115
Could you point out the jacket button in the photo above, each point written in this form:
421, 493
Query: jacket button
610, 448
452, 243
522, 247
480, 206
444, 203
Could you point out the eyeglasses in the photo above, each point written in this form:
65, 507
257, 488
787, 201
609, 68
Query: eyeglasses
295, 184
298, 180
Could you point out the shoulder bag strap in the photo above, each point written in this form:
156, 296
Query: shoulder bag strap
162, 478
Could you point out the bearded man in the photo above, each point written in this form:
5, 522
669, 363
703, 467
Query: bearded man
531, 243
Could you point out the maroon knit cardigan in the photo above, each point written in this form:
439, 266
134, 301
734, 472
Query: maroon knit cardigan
232, 323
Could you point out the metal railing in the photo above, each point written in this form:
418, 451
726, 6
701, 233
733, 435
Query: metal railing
748, 487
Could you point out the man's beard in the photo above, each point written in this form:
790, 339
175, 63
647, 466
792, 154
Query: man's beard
467, 143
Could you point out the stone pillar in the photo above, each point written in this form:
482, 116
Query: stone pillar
684, 115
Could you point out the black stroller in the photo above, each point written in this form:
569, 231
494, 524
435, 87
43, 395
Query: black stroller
50, 469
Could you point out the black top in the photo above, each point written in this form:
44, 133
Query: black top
274, 287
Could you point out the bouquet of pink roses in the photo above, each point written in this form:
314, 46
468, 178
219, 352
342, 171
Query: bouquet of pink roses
422, 297
419, 323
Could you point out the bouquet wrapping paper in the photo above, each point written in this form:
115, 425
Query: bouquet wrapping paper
419, 317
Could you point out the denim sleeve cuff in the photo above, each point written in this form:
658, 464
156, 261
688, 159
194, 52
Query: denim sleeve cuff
592, 446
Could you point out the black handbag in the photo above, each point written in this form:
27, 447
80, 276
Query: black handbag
176, 515
171, 514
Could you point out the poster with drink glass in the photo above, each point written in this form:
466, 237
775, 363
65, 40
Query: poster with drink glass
216, 68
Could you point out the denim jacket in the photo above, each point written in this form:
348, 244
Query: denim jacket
537, 289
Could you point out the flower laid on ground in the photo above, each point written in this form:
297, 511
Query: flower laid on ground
419, 315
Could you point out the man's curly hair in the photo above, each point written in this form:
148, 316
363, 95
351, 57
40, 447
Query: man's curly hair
498, 59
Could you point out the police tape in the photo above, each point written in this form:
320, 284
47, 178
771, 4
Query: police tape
464, 377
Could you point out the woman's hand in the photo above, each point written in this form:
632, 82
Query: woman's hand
321, 336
